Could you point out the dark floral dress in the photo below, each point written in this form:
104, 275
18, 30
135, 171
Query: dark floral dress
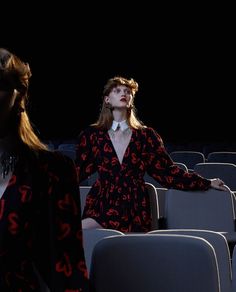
118, 199
40, 227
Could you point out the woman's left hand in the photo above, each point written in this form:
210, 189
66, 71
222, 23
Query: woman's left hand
218, 184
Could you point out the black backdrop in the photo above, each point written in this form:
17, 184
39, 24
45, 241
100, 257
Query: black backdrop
184, 63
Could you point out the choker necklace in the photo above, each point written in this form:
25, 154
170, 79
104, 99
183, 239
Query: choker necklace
7, 163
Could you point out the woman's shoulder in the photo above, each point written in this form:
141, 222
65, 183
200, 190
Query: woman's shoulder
150, 134
149, 131
55, 162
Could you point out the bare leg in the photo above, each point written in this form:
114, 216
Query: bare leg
89, 223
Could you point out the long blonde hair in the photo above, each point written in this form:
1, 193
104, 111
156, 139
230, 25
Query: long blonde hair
105, 117
14, 77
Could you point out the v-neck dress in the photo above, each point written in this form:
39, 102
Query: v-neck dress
118, 199
40, 227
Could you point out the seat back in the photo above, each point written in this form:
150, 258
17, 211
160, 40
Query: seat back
68, 152
154, 205
152, 181
220, 245
154, 263
189, 158
90, 239
50, 146
91, 179
225, 171
181, 165
234, 268
222, 156
211, 209
161, 194
83, 194
67, 146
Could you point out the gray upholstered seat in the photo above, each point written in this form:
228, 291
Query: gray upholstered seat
220, 245
211, 209
91, 237
154, 263
234, 269
222, 156
225, 171
189, 158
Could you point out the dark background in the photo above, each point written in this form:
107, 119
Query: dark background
182, 57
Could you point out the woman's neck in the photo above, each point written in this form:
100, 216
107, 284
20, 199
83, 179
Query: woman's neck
119, 115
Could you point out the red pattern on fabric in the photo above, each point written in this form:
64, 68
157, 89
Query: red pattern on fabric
119, 199
40, 219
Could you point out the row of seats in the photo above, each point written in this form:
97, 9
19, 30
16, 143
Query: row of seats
176, 209
191, 158
192, 254
214, 203
202, 147
184, 155
159, 261
218, 164
225, 171
211, 209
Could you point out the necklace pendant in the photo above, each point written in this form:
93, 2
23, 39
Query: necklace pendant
7, 164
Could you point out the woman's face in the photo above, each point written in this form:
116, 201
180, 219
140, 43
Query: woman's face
119, 97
